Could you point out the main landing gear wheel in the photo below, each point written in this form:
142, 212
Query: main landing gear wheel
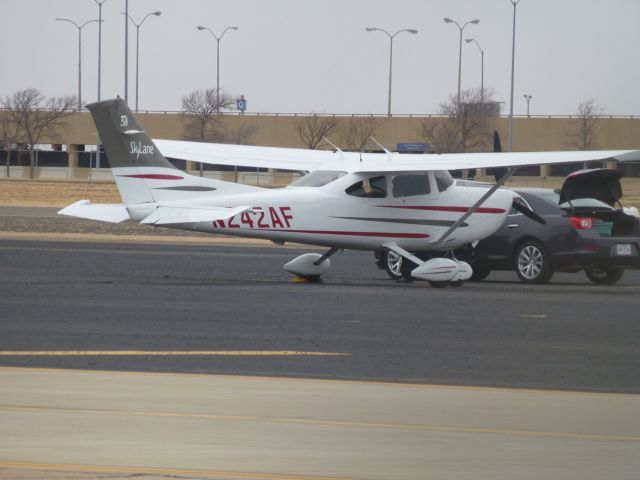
479, 274
392, 263
532, 263
605, 275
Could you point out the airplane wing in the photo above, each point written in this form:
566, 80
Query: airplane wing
309, 160
171, 215
247, 156
460, 161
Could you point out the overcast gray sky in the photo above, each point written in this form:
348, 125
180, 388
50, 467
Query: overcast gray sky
312, 55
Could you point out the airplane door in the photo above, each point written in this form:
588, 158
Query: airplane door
408, 192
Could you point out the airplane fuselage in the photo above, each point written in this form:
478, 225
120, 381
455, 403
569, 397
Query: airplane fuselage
329, 216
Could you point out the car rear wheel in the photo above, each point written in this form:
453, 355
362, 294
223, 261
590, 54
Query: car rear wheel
532, 263
604, 276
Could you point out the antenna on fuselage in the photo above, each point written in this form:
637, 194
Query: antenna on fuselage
334, 146
382, 147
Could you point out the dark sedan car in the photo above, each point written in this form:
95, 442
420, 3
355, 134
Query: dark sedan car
575, 228
582, 231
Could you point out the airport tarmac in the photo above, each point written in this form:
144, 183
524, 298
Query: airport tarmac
112, 348
189, 298
119, 425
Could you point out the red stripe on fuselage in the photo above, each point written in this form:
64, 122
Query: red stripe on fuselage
443, 208
355, 234
154, 176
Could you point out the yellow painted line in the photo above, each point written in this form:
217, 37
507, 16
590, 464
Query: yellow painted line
178, 472
333, 423
208, 353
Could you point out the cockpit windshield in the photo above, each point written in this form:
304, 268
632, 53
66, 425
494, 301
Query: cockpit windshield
318, 178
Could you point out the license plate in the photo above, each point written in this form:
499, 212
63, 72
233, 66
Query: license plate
623, 249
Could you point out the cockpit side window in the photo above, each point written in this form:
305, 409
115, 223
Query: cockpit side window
317, 178
443, 179
374, 187
408, 185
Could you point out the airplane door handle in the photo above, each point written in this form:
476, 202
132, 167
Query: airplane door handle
513, 225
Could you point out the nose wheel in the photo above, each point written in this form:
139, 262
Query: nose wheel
398, 267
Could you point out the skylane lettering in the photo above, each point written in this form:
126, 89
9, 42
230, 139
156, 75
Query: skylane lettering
137, 149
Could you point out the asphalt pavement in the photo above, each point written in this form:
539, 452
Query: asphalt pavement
83, 297
153, 354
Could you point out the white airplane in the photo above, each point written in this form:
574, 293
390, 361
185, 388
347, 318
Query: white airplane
407, 205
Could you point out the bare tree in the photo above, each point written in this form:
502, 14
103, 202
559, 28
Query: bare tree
202, 123
584, 132
240, 135
356, 132
34, 117
312, 128
7, 139
466, 127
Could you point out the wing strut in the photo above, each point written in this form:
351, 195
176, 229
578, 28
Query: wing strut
439, 242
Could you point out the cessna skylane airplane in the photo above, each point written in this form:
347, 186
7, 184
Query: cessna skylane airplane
406, 204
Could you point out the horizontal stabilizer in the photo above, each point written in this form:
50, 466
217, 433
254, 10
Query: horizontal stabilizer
170, 215
112, 213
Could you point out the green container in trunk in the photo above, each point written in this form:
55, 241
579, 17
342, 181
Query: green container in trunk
603, 227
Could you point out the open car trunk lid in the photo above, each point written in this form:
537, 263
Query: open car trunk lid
581, 187
600, 183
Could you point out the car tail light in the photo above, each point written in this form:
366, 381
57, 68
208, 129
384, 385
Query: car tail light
581, 223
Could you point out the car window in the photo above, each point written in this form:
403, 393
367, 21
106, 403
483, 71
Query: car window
587, 203
408, 185
375, 187
519, 201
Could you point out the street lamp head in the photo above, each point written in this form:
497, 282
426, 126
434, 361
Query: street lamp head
412, 30
370, 29
157, 14
200, 27
234, 28
469, 40
447, 20
475, 22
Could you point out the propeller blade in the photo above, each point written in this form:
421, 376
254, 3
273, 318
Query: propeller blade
528, 213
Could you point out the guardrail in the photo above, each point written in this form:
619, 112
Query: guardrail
365, 115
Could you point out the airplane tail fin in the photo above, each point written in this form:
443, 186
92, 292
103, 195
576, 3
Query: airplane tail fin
141, 172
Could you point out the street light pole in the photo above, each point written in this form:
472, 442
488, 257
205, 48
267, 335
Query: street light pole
79, 27
126, 52
481, 68
99, 3
513, 57
528, 100
461, 28
200, 27
138, 25
391, 37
